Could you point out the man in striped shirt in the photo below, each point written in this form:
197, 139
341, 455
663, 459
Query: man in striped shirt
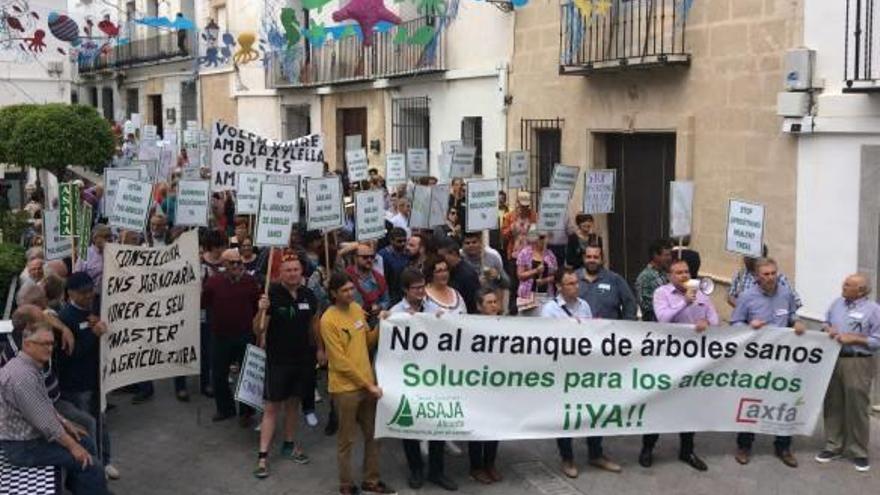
32, 433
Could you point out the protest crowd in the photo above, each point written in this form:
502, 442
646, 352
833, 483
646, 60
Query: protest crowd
315, 306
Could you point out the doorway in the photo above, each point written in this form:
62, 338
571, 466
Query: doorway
645, 165
156, 119
351, 133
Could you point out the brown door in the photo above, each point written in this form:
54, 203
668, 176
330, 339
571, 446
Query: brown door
156, 113
351, 130
645, 166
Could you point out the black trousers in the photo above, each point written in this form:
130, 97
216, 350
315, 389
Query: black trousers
414, 456
482, 454
310, 384
745, 441
566, 450
686, 442
225, 351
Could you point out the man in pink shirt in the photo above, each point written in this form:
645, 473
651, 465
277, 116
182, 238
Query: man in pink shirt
680, 301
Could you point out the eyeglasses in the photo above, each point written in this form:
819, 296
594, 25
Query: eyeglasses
441, 269
45, 343
366, 256
234, 262
416, 287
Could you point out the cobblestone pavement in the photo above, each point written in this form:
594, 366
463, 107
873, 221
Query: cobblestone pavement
169, 447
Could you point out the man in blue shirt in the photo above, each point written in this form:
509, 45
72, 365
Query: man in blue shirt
395, 259
767, 303
854, 321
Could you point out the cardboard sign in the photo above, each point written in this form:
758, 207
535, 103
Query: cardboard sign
193, 203
356, 161
395, 170
439, 204
421, 207
149, 133
279, 210
324, 204
745, 228
681, 207
518, 170
191, 136
252, 378
369, 215
247, 193
149, 150
564, 177
552, 209
482, 205
55, 246
131, 205
417, 162
111, 182
149, 169
462, 164
192, 125
599, 186
68, 201
136, 120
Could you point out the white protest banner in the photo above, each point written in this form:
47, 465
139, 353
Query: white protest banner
192, 125
417, 162
745, 228
247, 193
482, 205
552, 209
356, 161
369, 217
681, 207
439, 204
421, 207
249, 389
149, 151
166, 161
136, 120
518, 170
395, 170
564, 177
55, 247
235, 150
150, 302
324, 204
128, 128
462, 164
279, 210
149, 133
453, 378
191, 136
111, 182
50, 186
193, 203
149, 169
130, 207
599, 187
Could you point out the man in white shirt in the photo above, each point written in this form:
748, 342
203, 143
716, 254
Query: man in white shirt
401, 219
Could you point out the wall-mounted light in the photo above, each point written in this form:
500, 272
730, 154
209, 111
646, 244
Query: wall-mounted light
375, 146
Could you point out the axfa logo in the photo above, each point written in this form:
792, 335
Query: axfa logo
425, 409
755, 411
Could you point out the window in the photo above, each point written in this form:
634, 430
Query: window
93, 96
188, 103
472, 135
132, 105
297, 121
107, 102
410, 124
542, 138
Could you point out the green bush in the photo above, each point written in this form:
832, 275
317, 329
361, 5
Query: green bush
11, 264
56, 135
10, 117
13, 224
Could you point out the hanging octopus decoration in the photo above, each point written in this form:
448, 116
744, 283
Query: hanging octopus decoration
246, 53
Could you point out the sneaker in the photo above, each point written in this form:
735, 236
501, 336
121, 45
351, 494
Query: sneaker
261, 471
876, 408
826, 456
378, 488
861, 464
295, 454
605, 464
787, 458
111, 472
569, 469
311, 419
453, 449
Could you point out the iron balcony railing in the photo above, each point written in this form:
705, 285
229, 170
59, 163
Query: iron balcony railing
164, 47
626, 33
349, 60
861, 64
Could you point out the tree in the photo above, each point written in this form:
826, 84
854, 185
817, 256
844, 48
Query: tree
56, 135
10, 117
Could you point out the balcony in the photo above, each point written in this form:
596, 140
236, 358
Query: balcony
161, 48
630, 34
861, 70
347, 60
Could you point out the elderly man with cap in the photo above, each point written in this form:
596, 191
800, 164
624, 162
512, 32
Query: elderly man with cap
230, 298
514, 228
78, 373
854, 321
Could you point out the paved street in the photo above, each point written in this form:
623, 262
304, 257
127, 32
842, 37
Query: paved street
166, 446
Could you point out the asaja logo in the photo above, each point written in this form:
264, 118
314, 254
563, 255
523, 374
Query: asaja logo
403, 416
755, 411
448, 412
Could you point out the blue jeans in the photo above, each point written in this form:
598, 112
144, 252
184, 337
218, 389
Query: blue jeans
88, 402
78, 416
33, 453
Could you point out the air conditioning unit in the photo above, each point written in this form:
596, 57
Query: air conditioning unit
798, 66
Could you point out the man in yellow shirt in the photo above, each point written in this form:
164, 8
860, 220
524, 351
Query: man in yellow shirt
347, 341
